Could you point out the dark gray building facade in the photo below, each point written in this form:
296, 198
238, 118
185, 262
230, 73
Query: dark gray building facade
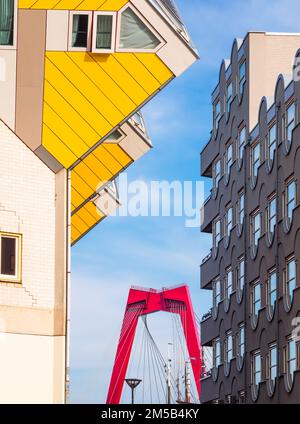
253, 214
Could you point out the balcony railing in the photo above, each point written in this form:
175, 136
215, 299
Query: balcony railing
207, 316
207, 258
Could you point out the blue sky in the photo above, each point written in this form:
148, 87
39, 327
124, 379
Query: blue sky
159, 252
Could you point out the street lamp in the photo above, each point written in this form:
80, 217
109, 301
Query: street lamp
133, 383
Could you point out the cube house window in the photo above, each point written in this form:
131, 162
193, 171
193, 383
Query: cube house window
134, 33
104, 31
80, 31
7, 12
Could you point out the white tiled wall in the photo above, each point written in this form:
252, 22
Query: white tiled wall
27, 206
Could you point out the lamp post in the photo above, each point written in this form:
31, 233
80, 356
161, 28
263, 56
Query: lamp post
133, 383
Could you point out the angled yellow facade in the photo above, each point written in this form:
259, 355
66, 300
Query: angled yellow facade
87, 95
71, 96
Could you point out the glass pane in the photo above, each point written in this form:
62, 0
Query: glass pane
80, 31
135, 34
8, 256
104, 31
6, 22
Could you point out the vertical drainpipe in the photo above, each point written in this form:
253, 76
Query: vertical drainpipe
68, 291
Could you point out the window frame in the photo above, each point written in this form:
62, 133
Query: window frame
217, 116
15, 37
253, 230
148, 25
217, 240
217, 295
287, 124
254, 372
241, 208
229, 288
217, 176
287, 202
270, 144
240, 277
94, 49
255, 302
229, 159
290, 376
269, 216
269, 292
89, 34
229, 98
289, 296
241, 342
270, 366
255, 164
228, 223
217, 342
241, 146
227, 359
241, 81
17, 277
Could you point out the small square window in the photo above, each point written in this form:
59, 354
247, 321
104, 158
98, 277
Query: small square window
10, 246
104, 32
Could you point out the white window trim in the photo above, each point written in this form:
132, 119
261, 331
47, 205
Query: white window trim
113, 38
14, 46
89, 35
146, 22
13, 278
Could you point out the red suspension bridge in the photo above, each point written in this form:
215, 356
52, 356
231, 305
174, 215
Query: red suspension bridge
162, 380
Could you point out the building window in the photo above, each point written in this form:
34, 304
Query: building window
81, 30
290, 281
228, 159
290, 199
217, 353
271, 143
229, 284
135, 33
10, 267
217, 292
217, 115
217, 173
255, 302
228, 221
242, 77
241, 342
289, 122
7, 22
228, 348
241, 208
104, 32
229, 98
217, 232
255, 159
271, 292
272, 366
291, 361
255, 228
242, 139
241, 275
256, 371
271, 214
